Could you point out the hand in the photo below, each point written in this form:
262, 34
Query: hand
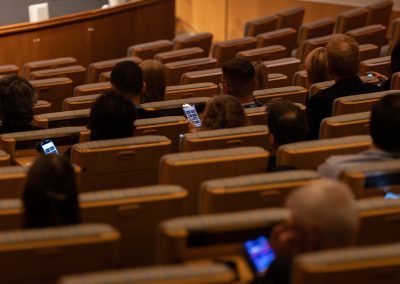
382, 78
285, 241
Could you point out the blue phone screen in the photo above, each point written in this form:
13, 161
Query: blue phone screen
391, 195
260, 253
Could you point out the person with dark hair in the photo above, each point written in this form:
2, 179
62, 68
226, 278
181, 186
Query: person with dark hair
17, 97
343, 56
112, 116
238, 78
287, 123
50, 196
127, 78
384, 130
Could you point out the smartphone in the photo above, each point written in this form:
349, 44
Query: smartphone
191, 114
47, 147
370, 74
391, 195
259, 254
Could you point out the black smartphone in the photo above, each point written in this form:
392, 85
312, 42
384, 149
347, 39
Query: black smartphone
259, 254
47, 147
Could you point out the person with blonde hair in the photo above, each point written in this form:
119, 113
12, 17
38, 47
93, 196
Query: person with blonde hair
154, 79
317, 66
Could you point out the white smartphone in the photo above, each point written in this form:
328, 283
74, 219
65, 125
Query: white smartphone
191, 114
47, 147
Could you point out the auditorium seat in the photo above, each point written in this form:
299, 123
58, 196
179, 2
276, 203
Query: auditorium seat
254, 135
294, 94
173, 107
11, 213
202, 76
395, 84
267, 190
169, 126
4, 159
394, 35
300, 78
226, 50
368, 51
30, 67
76, 73
379, 221
12, 181
213, 236
290, 18
105, 76
373, 34
310, 154
318, 28
43, 255
261, 25
380, 65
190, 169
117, 163
191, 91
345, 125
351, 19
277, 80
180, 54
256, 115
285, 37
373, 179
41, 107
9, 69
81, 102
92, 89
175, 70
96, 68
308, 45
357, 103
367, 265
263, 53
135, 213
380, 12
202, 40
53, 90
215, 273
287, 66
317, 87
149, 49
62, 119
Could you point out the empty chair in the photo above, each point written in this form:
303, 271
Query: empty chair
76, 73
352, 19
180, 54
318, 28
118, 163
261, 25
345, 125
380, 65
96, 68
62, 119
378, 264
248, 192
300, 78
308, 45
310, 154
209, 75
394, 35
395, 81
191, 91
149, 49
277, 80
169, 126
202, 40
295, 94
291, 18
172, 107
12, 182
255, 135
21, 146
374, 34
215, 273
9, 69
92, 89
43, 255
105, 76
287, 66
379, 12
11, 213
41, 107
53, 90
226, 50
263, 53
214, 235
4, 159
286, 37
369, 51
81, 102
175, 70
191, 168
136, 213
46, 64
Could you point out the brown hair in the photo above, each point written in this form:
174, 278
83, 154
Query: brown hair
154, 77
317, 66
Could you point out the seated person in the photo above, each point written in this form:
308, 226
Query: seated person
343, 57
238, 80
384, 130
112, 116
154, 81
323, 216
17, 97
317, 66
50, 196
287, 123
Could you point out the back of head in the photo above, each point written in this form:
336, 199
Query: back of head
112, 116
395, 58
328, 208
286, 122
317, 66
17, 97
223, 111
343, 56
238, 77
50, 197
127, 78
154, 78
385, 123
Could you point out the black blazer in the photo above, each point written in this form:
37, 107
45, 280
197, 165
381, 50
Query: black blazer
320, 105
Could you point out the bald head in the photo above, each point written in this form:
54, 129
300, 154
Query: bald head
329, 208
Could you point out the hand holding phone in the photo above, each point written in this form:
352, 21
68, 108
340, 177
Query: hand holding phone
259, 254
191, 114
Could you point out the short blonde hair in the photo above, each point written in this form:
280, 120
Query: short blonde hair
317, 66
154, 77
